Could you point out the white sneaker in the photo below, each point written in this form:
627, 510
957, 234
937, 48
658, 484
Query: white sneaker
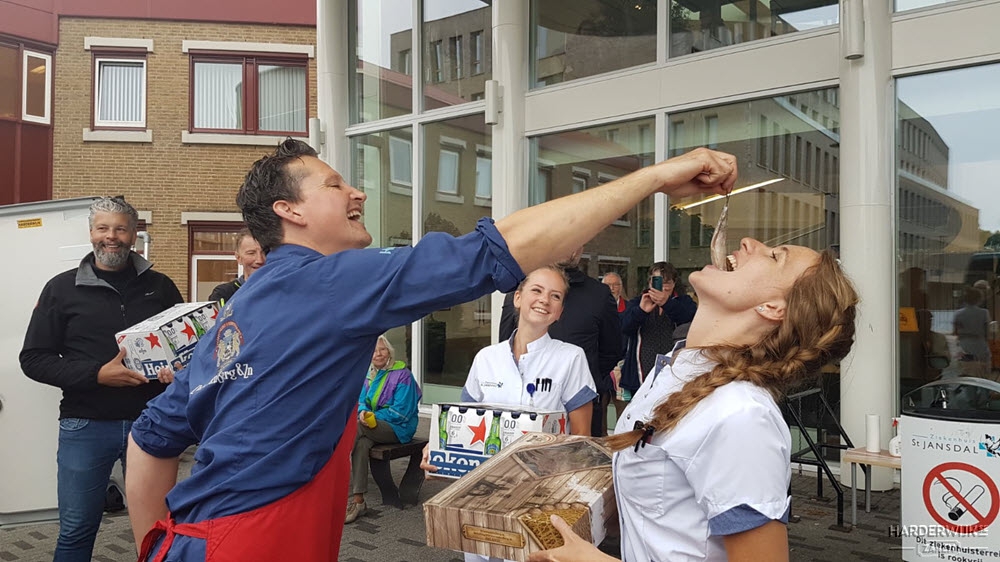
354, 510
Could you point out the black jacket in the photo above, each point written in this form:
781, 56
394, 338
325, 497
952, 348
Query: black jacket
225, 291
72, 335
678, 312
589, 320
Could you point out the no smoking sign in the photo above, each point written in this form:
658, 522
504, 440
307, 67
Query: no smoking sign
961, 497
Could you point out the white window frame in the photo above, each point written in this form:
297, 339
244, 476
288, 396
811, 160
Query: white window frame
393, 180
476, 42
141, 123
453, 188
45, 119
484, 153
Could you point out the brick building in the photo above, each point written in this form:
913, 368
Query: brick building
166, 103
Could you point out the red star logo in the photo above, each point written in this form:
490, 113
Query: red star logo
562, 424
153, 341
188, 330
215, 312
478, 432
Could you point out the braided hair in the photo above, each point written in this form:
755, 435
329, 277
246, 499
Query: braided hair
818, 328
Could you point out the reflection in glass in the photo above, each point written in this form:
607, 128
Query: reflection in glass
903, 5
457, 56
213, 242
701, 25
948, 237
456, 194
382, 169
572, 161
35, 91
10, 93
381, 56
789, 156
210, 273
789, 161
570, 40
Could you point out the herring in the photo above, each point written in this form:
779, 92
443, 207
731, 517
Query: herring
718, 246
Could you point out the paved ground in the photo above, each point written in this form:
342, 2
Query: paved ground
390, 534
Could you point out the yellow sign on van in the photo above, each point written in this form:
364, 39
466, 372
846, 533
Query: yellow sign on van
29, 223
907, 319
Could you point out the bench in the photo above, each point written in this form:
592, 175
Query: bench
413, 478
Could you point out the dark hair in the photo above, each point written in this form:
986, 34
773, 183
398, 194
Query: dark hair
268, 181
669, 273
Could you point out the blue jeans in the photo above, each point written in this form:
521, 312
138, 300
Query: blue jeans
87, 452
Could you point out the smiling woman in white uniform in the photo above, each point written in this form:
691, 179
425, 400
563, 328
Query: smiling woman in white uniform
702, 468
532, 369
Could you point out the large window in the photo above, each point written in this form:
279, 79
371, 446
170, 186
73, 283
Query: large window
249, 94
119, 91
702, 25
573, 161
389, 208
36, 99
588, 37
774, 136
454, 185
457, 59
381, 53
948, 225
25, 124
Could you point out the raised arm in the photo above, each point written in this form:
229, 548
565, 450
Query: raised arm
538, 234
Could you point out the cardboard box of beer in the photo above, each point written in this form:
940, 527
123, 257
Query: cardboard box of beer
502, 508
463, 435
167, 338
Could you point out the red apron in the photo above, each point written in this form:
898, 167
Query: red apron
305, 525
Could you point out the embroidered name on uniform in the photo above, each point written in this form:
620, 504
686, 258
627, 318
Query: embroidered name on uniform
239, 371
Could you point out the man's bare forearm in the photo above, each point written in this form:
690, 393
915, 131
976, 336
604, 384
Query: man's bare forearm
547, 232
147, 481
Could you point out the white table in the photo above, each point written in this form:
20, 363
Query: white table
858, 456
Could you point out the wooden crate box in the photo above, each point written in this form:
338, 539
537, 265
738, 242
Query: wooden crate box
502, 507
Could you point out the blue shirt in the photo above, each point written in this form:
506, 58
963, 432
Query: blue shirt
271, 386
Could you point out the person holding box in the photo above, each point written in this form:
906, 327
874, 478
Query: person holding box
272, 397
387, 413
70, 344
701, 465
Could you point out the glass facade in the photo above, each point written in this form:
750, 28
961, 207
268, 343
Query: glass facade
456, 194
380, 54
571, 40
382, 165
784, 127
456, 60
702, 25
948, 224
573, 161
789, 186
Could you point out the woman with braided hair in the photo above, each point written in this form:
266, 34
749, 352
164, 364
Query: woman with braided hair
701, 468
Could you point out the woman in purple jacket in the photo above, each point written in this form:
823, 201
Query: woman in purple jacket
387, 413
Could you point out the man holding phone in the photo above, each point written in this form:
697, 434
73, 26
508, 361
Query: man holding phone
650, 324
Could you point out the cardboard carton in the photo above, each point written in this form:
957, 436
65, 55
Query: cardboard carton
464, 435
167, 338
502, 508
